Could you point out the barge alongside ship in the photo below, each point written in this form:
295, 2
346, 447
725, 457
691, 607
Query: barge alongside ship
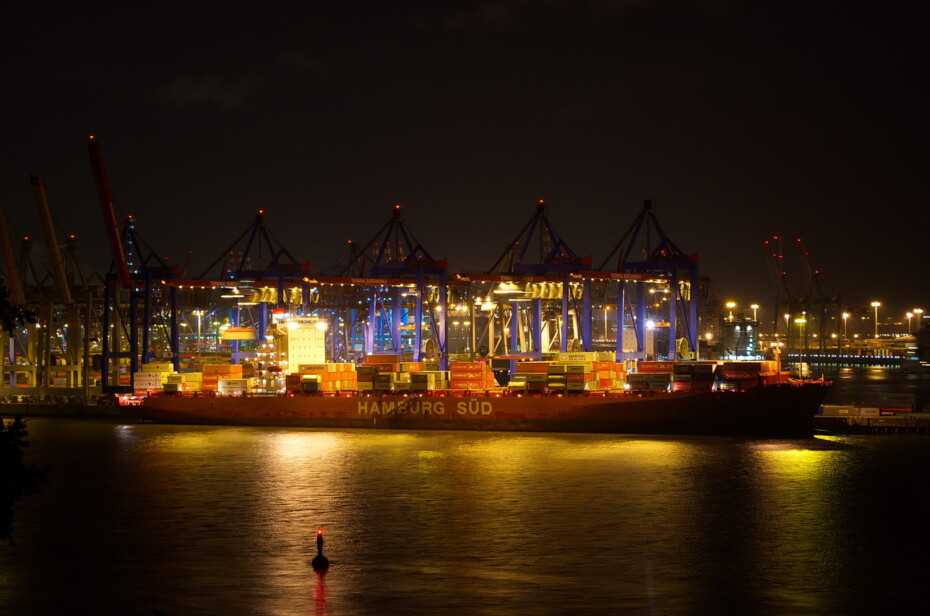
783, 410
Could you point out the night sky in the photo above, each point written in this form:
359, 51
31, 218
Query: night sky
741, 121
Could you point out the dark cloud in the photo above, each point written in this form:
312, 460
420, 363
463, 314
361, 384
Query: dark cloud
487, 16
209, 91
302, 62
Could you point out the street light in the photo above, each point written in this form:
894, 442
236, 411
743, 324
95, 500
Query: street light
731, 306
876, 305
755, 315
917, 313
199, 314
909, 315
845, 320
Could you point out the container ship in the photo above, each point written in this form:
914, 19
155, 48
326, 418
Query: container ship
578, 393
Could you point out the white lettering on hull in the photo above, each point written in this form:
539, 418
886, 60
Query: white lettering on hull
418, 406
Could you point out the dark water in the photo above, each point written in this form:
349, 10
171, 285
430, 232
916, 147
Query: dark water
200, 520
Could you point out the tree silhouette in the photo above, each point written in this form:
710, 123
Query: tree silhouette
11, 315
17, 479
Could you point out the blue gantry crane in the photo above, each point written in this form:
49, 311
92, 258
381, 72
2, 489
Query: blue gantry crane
646, 249
406, 270
535, 263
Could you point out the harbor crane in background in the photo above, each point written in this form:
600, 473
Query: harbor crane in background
412, 279
536, 266
672, 268
820, 306
141, 278
806, 311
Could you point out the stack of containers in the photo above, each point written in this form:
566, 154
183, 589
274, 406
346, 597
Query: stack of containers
682, 377
412, 366
214, 373
365, 377
607, 375
330, 378
383, 381
402, 378
531, 376
740, 374
233, 386
471, 375
386, 362
371, 374
579, 377
556, 377
702, 375
292, 382
184, 381
151, 377
652, 376
428, 380
422, 381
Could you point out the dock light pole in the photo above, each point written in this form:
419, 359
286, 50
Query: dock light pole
606, 328
845, 320
909, 315
199, 315
755, 312
875, 305
731, 306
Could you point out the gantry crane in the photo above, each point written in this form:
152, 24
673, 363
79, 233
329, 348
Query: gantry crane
666, 263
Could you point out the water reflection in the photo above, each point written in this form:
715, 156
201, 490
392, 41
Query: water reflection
198, 519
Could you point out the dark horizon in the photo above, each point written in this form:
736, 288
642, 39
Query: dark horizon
740, 122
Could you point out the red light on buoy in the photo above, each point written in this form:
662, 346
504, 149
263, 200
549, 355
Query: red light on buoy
319, 532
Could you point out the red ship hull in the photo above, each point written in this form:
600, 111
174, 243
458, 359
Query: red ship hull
773, 411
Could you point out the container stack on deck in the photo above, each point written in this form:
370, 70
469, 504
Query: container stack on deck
151, 377
184, 381
214, 374
570, 373
747, 374
693, 376
322, 378
471, 375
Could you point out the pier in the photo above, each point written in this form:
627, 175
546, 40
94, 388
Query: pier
912, 423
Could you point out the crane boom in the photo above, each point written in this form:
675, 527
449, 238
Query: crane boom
109, 213
48, 227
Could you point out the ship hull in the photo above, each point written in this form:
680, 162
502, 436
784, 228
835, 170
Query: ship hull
777, 411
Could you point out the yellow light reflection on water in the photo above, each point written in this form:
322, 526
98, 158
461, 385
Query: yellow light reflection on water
793, 491
301, 445
799, 459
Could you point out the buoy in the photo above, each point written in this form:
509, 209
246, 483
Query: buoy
319, 562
